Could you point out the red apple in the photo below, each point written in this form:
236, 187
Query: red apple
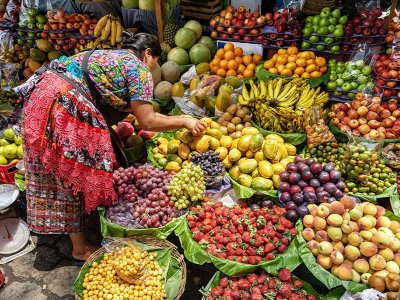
352, 114
364, 129
230, 9
362, 121
396, 113
241, 16
340, 114
385, 113
345, 128
213, 23
371, 115
346, 120
240, 23
260, 20
228, 16
387, 122
231, 30
214, 34
241, 9
353, 124
234, 21
362, 110
256, 14
396, 130
248, 38
242, 31
374, 124
237, 37
248, 15
344, 107
335, 121
254, 31
389, 135
223, 13
356, 104
392, 107
374, 107
356, 132
374, 134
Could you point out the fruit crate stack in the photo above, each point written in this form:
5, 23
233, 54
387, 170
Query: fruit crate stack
201, 9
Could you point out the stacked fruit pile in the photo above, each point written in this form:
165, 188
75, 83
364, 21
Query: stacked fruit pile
327, 152
387, 76
30, 25
355, 241
239, 233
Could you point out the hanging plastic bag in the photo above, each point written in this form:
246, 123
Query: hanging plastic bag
9, 76
6, 46
368, 5
294, 8
317, 131
12, 11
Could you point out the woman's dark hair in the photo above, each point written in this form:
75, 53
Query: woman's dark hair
140, 42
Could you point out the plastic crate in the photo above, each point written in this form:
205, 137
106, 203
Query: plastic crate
7, 173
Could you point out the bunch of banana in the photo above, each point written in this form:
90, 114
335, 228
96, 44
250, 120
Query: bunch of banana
311, 97
108, 32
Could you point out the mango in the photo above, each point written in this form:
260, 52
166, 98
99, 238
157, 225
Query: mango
173, 146
241, 160
184, 151
202, 68
163, 148
162, 140
250, 130
281, 153
223, 101
234, 172
175, 158
226, 88
255, 173
244, 142
216, 133
226, 141
172, 166
196, 100
276, 180
227, 163
194, 142
270, 149
248, 166
210, 104
178, 89
203, 144
265, 169
278, 168
206, 121
249, 154
234, 82
158, 156
214, 143
234, 155
263, 184
214, 125
223, 152
291, 150
259, 156
234, 143
194, 83
256, 142
245, 180
274, 137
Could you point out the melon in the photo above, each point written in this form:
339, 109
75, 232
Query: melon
130, 3
206, 40
170, 71
185, 38
195, 27
43, 45
178, 55
163, 90
199, 53
156, 73
147, 4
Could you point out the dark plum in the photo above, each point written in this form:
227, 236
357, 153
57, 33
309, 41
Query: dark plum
309, 189
341, 185
292, 215
314, 183
267, 203
285, 197
294, 178
303, 167
284, 176
320, 189
294, 189
330, 188
323, 196
291, 167
291, 205
329, 167
309, 161
331, 199
310, 197
302, 184
338, 194
302, 211
335, 175
254, 206
284, 187
298, 159
316, 168
307, 175
298, 198
324, 177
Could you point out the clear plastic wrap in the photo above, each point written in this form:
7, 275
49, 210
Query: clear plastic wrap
12, 11
9, 76
6, 46
316, 129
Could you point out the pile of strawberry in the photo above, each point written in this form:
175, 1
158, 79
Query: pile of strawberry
260, 286
239, 233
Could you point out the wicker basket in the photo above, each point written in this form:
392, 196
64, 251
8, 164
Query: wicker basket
150, 241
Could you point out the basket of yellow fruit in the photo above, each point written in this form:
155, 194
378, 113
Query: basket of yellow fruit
138, 267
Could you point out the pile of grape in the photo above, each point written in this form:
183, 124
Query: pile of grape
187, 186
210, 163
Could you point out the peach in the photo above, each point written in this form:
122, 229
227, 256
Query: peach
335, 220
346, 216
345, 272
392, 267
355, 214
348, 202
336, 207
345, 238
308, 234
366, 235
319, 223
373, 220
355, 239
370, 209
394, 245
397, 258
387, 231
356, 226
338, 246
364, 223
361, 265
321, 235
347, 226
322, 211
380, 211
398, 235
337, 258
356, 276
382, 273
393, 282
387, 254
377, 283
394, 226
334, 233
365, 277
377, 262
313, 209
348, 262
381, 239
334, 269
368, 249
325, 248
313, 247
383, 221
351, 252
308, 221
324, 261
373, 230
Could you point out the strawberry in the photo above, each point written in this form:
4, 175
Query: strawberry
294, 297
236, 294
224, 282
256, 297
269, 247
258, 241
281, 248
286, 290
293, 231
217, 291
198, 236
280, 228
298, 283
284, 275
246, 237
240, 229
312, 297
269, 256
285, 222
252, 278
243, 284
262, 278
272, 284
246, 296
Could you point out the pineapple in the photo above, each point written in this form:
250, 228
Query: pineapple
165, 49
171, 28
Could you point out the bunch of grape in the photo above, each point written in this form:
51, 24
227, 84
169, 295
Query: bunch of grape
209, 162
187, 186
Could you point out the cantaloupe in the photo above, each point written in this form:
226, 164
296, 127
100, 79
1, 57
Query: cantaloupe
170, 71
156, 73
163, 90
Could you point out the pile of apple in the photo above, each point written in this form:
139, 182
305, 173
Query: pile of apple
367, 118
367, 27
240, 24
394, 32
355, 241
387, 76
282, 29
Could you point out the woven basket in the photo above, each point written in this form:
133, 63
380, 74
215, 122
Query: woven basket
314, 7
150, 241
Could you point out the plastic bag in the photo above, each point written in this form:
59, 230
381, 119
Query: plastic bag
317, 131
9, 76
12, 11
367, 5
6, 46
294, 8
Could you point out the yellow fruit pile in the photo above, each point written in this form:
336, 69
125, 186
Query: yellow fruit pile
230, 61
291, 62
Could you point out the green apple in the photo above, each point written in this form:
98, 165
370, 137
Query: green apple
323, 30
360, 64
370, 85
343, 20
362, 79
361, 87
331, 28
314, 39
332, 61
336, 13
309, 19
351, 95
340, 69
339, 82
354, 85
366, 70
320, 47
332, 77
331, 86
332, 21
337, 93
335, 48
305, 45
325, 12
324, 22
328, 40
346, 75
338, 32
315, 20
346, 86
315, 28
307, 31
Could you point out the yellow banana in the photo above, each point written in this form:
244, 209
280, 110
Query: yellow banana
252, 93
119, 32
270, 89
113, 33
278, 88
263, 90
242, 101
245, 93
106, 32
285, 91
100, 25
97, 42
255, 89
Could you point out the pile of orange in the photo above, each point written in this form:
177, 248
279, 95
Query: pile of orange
291, 62
230, 61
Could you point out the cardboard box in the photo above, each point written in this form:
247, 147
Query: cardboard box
249, 4
248, 48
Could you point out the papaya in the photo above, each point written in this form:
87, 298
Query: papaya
184, 135
256, 142
291, 150
43, 45
259, 156
175, 158
234, 172
245, 180
194, 83
278, 168
234, 82
248, 166
210, 103
34, 65
173, 146
37, 55
178, 89
53, 55
214, 143
276, 180
184, 151
255, 173
261, 183
244, 142
203, 144
214, 125
196, 101
226, 141
222, 151
249, 154
27, 73
194, 142
214, 133
250, 130
223, 101
274, 137
226, 88
265, 169
202, 68
234, 154
206, 121
270, 149
227, 163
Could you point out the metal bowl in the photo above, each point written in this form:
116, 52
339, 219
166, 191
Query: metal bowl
8, 194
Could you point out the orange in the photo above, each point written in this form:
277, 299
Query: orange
239, 59
291, 66
320, 61
301, 62
305, 75
241, 69
286, 72
315, 74
280, 68
229, 55
216, 61
311, 68
274, 57
281, 60
233, 65
240, 76
214, 69
229, 47
256, 58
299, 71
269, 64
231, 73
248, 73
238, 51
312, 54
305, 54
223, 64
292, 50
310, 62
282, 51
247, 59
251, 66
323, 69
273, 71
296, 75
292, 58
221, 72
220, 53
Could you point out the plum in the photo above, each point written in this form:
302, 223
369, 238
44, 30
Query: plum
314, 183
285, 197
291, 205
323, 196
324, 177
302, 211
334, 175
267, 203
298, 159
338, 194
330, 188
310, 197
294, 189
309, 189
294, 178
302, 184
292, 215
316, 168
255, 206
284, 176
329, 167
298, 198
291, 167
303, 167
307, 175
310, 161
341, 185
284, 187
